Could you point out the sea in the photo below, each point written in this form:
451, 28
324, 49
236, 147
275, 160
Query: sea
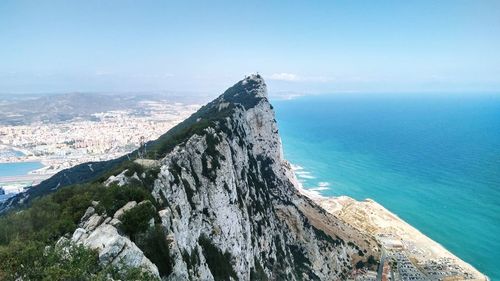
432, 159
11, 170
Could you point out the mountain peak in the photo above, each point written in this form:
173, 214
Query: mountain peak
223, 203
256, 81
247, 92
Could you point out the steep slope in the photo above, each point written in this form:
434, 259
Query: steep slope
229, 205
78, 174
213, 200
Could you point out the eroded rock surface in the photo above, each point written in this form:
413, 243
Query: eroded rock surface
229, 204
97, 232
230, 185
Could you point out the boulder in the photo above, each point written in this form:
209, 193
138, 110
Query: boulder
123, 209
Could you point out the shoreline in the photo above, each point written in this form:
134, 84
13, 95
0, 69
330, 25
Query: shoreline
13, 184
373, 219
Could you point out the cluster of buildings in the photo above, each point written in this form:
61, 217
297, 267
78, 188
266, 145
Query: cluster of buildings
402, 261
104, 136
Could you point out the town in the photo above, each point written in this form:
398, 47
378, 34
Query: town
61, 145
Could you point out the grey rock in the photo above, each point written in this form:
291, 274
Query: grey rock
113, 248
89, 212
123, 209
92, 222
115, 222
229, 189
242, 197
78, 234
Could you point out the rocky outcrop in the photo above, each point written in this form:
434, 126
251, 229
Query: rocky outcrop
120, 179
100, 233
230, 185
229, 203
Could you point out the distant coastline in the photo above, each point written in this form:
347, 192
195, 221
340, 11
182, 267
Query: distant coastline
15, 177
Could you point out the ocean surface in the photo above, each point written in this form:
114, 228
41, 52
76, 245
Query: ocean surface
16, 169
434, 160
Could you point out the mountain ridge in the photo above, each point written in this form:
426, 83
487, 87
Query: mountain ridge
212, 199
226, 203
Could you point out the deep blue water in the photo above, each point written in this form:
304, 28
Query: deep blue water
433, 160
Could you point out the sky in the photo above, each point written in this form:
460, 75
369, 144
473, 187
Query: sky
205, 46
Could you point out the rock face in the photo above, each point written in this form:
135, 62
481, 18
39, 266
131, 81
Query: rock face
230, 187
99, 232
230, 205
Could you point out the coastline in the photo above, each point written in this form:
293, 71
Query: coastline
373, 219
21, 176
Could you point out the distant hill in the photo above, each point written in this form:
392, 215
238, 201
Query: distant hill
23, 110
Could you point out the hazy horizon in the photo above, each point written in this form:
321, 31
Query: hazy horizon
197, 46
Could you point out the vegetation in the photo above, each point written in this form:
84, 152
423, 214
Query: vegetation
33, 260
30, 261
302, 264
219, 263
136, 220
25, 234
50, 217
237, 93
257, 272
80, 174
154, 245
370, 263
208, 116
28, 236
115, 197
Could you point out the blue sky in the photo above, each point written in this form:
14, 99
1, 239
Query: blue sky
204, 46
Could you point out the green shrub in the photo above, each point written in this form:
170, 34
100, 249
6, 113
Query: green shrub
25, 233
49, 217
257, 273
115, 197
136, 220
155, 248
31, 260
218, 262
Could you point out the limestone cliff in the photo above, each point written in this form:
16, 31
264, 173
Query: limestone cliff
229, 204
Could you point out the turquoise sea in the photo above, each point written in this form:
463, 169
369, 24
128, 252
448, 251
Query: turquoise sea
434, 160
18, 169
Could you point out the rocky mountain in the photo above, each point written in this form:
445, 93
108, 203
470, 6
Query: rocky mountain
230, 205
225, 203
